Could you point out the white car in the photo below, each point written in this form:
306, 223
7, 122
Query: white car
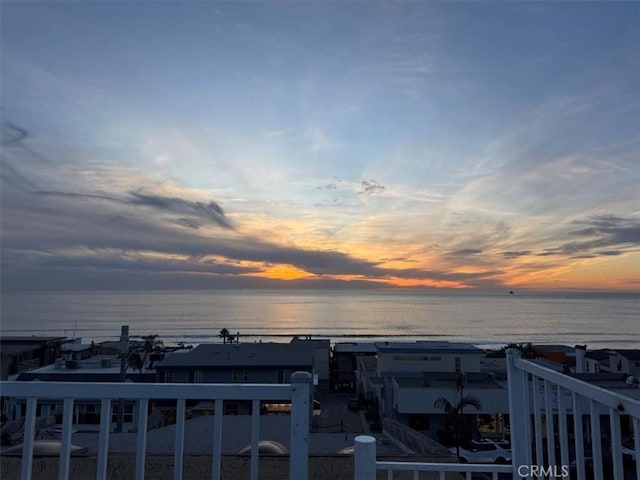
485, 451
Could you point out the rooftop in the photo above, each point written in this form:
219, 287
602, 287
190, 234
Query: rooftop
18, 348
295, 354
29, 339
428, 346
355, 347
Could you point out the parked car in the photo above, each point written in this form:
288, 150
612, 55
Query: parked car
484, 451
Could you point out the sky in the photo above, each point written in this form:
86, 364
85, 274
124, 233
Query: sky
481, 145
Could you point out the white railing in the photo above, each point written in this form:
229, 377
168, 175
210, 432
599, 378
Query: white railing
538, 394
298, 392
366, 465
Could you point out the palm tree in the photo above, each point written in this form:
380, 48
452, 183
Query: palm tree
151, 343
224, 334
135, 361
462, 429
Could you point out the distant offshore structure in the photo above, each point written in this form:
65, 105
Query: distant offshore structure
510, 292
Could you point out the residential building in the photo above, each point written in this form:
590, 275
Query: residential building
344, 363
434, 356
24, 353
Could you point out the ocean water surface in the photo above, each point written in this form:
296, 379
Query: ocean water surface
598, 319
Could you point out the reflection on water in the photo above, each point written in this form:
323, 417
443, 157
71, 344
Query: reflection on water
197, 317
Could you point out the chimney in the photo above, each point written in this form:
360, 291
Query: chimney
581, 351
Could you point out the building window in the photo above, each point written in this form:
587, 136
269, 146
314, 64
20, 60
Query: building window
458, 365
281, 377
128, 413
234, 375
245, 375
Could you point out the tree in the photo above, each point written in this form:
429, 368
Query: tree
135, 361
457, 422
224, 334
151, 343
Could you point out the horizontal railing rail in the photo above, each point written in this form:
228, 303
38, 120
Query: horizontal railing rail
543, 403
298, 392
366, 466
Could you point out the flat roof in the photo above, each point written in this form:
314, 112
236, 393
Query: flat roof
12, 348
629, 354
428, 346
295, 354
355, 347
554, 348
29, 339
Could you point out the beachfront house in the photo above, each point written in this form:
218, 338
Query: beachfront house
24, 353
264, 363
434, 356
404, 380
84, 369
620, 361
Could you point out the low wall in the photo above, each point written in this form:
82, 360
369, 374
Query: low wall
196, 467
416, 441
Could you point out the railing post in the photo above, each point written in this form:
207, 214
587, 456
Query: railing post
103, 449
519, 440
65, 447
364, 457
29, 438
300, 411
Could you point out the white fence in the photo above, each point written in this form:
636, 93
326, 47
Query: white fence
542, 404
298, 392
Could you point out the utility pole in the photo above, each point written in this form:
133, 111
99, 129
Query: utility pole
124, 353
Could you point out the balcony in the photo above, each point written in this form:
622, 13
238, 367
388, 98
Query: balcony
560, 427
298, 393
542, 405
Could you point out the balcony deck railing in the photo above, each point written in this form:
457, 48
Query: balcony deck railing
298, 393
542, 405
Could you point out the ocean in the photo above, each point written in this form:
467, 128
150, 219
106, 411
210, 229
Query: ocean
600, 320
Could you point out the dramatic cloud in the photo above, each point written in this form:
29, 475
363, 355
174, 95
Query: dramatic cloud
211, 211
465, 252
361, 145
12, 134
517, 254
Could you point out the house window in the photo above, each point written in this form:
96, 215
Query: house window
458, 365
90, 416
281, 376
128, 413
195, 376
245, 375
234, 375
